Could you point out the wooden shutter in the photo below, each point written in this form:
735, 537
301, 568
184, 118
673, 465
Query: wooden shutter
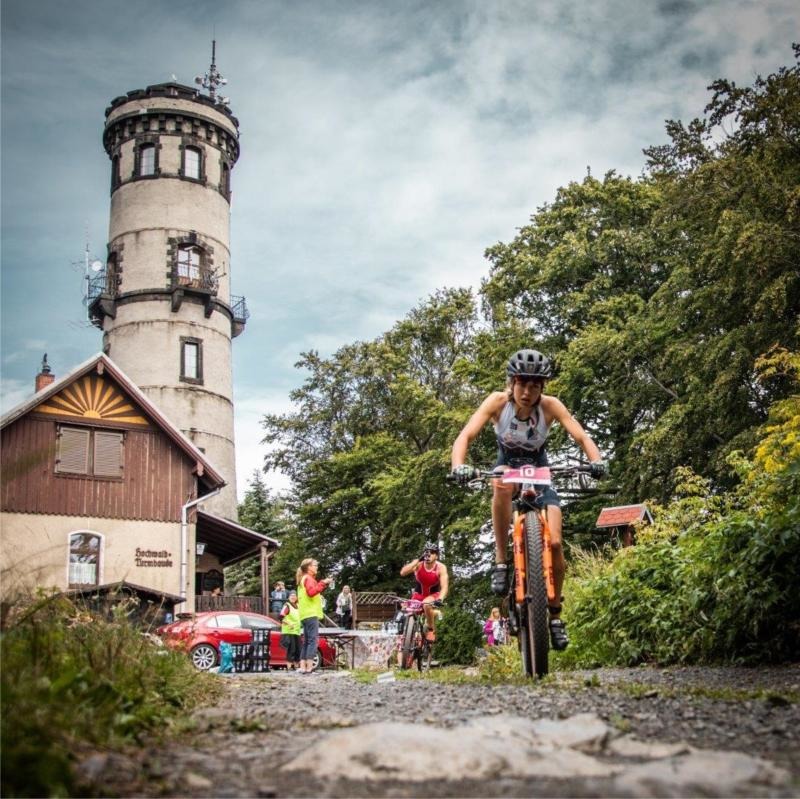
73, 451
107, 454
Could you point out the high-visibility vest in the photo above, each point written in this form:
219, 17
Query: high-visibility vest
310, 606
291, 623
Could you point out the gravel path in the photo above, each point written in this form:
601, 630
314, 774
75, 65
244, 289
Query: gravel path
237, 748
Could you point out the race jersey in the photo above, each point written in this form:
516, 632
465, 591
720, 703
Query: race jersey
427, 580
521, 439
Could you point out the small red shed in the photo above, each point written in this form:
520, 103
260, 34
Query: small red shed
623, 520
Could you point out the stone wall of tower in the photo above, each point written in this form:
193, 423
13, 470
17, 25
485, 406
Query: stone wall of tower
157, 309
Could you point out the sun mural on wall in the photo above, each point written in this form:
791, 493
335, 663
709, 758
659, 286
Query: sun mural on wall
92, 397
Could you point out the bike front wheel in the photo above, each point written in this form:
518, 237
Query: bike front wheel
424, 656
408, 651
534, 641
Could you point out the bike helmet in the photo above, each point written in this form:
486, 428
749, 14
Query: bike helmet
529, 363
431, 548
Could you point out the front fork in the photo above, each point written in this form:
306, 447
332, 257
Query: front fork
521, 558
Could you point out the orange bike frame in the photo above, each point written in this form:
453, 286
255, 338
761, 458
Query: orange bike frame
521, 557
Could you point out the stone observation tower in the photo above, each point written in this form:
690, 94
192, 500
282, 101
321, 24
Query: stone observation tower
163, 298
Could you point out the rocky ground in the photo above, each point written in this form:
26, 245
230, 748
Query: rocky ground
620, 732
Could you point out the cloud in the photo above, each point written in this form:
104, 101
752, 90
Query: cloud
385, 146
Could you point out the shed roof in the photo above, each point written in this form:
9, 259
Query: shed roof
623, 515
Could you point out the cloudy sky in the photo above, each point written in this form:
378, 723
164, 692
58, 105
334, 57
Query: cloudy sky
385, 145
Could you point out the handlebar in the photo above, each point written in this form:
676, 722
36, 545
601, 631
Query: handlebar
480, 477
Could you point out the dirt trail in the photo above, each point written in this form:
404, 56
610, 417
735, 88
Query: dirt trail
626, 732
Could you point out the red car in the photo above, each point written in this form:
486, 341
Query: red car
201, 634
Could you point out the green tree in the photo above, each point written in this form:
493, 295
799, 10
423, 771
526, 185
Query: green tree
368, 446
266, 514
659, 295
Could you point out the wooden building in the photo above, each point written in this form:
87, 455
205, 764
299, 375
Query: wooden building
100, 488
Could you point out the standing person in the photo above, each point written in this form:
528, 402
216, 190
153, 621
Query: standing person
344, 608
495, 628
433, 583
522, 416
309, 593
290, 631
277, 598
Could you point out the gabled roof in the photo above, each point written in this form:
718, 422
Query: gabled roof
230, 541
623, 515
101, 364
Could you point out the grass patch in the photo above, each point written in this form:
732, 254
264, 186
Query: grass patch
71, 678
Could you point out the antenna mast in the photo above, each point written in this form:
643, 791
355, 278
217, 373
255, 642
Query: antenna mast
212, 79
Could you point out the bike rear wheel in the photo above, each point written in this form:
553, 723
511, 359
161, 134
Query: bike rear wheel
534, 641
408, 652
424, 656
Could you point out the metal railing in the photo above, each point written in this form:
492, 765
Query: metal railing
99, 283
239, 309
246, 604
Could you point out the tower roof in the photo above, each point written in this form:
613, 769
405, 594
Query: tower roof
174, 90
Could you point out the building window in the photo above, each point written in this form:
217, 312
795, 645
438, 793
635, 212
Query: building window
192, 163
147, 160
191, 360
112, 275
225, 180
84, 559
116, 178
190, 261
95, 453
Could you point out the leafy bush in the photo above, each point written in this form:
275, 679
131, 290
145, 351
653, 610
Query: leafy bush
70, 678
458, 636
713, 580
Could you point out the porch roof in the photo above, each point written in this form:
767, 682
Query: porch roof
229, 541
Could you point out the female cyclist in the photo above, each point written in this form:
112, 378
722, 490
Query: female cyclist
522, 416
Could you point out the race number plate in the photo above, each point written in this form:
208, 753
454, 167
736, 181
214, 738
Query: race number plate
536, 475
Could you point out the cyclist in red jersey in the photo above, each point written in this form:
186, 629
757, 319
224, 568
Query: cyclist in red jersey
433, 583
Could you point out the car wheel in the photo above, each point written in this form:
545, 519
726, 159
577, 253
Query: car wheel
318, 660
203, 656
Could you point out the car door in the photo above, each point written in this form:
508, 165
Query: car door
231, 628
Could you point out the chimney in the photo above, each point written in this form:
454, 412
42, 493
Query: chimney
45, 377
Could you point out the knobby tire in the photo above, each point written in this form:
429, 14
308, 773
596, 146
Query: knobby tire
534, 639
424, 656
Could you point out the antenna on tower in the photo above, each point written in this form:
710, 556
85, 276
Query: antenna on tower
212, 79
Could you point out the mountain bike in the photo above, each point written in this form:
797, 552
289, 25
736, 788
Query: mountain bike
533, 585
414, 648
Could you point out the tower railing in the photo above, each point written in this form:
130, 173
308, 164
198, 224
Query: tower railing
239, 309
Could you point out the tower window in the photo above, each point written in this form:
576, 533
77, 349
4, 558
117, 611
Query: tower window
90, 452
84, 559
115, 172
191, 360
192, 163
147, 160
225, 180
190, 261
